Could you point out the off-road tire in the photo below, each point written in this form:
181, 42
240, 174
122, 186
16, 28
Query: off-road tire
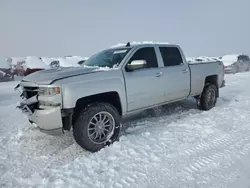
80, 129
202, 102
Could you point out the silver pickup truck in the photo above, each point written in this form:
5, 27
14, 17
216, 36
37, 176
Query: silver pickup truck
113, 83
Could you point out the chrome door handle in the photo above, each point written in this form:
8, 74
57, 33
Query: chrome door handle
184, 70
158, 74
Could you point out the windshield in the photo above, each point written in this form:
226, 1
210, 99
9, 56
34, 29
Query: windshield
107, 58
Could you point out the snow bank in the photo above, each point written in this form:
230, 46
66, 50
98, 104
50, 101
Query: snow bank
4, 64
190, 59
47, 60
75, 59
15, 60
44, 62
79, 58
71, 61
34, 63
67, 62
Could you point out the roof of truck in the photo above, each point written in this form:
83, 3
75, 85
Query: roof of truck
128, 44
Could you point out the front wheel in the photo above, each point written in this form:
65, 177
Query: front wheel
97, 125
208, 98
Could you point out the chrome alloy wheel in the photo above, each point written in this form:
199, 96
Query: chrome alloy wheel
101, 127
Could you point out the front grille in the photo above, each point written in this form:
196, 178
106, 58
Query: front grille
29, 92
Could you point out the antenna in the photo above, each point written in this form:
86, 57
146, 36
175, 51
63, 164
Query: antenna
128, 44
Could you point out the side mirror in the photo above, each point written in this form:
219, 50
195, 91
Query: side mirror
136, 64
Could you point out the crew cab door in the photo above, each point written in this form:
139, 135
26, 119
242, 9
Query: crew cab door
176, 74
142, 84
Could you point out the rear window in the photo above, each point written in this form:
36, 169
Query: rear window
171, 56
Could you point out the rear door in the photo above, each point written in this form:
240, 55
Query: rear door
176, 74
142, 85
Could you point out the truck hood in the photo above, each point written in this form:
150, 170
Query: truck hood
228, 63
48, 76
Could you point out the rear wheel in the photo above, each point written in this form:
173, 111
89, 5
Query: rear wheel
208, 98
97, 126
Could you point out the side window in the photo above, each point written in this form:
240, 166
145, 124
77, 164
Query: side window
148, 54
240, 58
171, 56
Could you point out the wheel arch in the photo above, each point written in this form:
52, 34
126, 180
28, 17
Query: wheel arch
212, 79
111, 97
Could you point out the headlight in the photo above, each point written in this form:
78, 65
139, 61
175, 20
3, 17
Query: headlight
49, 91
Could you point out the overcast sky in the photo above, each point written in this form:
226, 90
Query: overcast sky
81, 27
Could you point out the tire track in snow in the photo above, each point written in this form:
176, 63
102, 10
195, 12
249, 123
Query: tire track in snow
172, 115
228, 154
168, 115
208, 160
223, 139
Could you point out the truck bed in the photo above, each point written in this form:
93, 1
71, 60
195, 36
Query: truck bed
199, 72
202, 62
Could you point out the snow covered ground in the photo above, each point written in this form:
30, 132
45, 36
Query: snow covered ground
180, 147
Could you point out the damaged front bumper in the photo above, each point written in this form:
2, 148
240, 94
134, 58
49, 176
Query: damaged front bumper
47, 118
